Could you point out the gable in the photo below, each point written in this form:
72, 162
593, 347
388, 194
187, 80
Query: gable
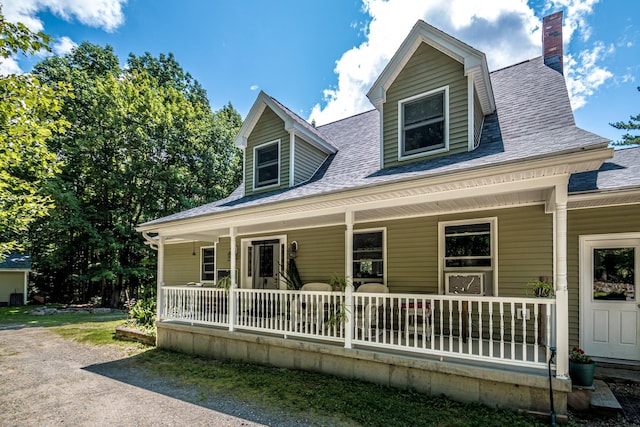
427, 70
269, 128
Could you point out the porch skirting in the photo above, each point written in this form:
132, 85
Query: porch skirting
524, 389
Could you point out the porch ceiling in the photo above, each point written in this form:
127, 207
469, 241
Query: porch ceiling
455, 205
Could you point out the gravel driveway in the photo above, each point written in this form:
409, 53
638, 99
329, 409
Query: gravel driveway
48, 381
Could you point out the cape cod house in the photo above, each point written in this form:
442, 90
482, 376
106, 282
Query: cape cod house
438, 206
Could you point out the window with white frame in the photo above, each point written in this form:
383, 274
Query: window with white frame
207, 264
423, 123
368, 256
468, 244
267, 164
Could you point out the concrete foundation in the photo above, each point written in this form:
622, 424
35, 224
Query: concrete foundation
508, 388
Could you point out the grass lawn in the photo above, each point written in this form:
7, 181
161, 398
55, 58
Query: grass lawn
317, 399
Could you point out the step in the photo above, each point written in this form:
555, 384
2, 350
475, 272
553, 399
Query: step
603, 400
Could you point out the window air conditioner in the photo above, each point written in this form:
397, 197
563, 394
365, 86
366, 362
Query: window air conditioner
464, 283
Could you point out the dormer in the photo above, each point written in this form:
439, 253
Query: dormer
281, 150
432, 97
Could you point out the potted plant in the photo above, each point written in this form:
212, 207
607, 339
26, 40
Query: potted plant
581, 367
338, 283
540, 288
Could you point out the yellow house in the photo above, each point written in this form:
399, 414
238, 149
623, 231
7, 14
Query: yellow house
14, 278
439, 208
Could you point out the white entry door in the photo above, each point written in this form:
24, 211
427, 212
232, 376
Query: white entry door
610, 316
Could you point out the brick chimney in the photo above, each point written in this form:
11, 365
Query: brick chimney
552, 41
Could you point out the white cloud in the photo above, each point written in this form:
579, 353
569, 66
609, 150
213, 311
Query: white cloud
254, 87
583, 74
63, 46
105, 14
507, 31
9, 66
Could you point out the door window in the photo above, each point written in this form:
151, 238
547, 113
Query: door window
614, 274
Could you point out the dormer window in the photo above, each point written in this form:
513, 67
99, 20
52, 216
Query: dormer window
267, 164
423, 124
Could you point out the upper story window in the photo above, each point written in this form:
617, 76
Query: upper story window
207, 264
423, 123
267, 164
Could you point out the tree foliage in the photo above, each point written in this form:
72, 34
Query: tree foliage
632, 125
143, 143
28, 116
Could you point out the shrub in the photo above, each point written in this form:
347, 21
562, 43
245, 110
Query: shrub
144, 312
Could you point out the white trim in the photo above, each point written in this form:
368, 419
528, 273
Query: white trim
584, 274
474, 62
384, 248
247, 281
292, 158
543, 172
255, 164
493, 221
215, 262
470, 115
244, 169
445, 107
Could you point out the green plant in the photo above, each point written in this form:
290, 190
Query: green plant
224, 283
540, 288
144, 312
338, 283
291, 275
578, 355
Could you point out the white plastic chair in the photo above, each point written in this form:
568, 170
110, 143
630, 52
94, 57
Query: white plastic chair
367, 316
307, 310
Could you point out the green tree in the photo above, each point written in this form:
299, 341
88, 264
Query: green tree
143, 143
632, 125
28, 116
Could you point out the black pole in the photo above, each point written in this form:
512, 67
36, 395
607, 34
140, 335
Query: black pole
552, 414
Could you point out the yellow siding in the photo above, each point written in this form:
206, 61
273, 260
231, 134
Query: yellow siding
428, 69
269, 128
11, 282
320, 254
525, 251
307, 161
620, 219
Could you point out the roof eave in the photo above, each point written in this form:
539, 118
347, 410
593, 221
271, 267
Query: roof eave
474, 62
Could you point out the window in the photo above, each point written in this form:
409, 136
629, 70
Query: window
467, 245
368, 256
423, 124
208, 264
267, 164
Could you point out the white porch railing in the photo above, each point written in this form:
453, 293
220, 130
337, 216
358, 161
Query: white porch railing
512, 331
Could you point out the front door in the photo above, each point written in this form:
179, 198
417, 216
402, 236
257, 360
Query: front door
610, 319
266, 264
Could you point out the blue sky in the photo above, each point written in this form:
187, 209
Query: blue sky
320, 57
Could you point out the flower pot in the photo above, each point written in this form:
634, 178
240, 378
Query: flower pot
582, 373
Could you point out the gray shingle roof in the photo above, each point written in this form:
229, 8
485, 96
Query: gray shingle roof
16, 261
620, 173
533, 119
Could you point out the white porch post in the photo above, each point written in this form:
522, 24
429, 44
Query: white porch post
562, 295
234, 284
348, 297
160, 278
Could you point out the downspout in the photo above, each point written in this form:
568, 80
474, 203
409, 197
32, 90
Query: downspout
160, 277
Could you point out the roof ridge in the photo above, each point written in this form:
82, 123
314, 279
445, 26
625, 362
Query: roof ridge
516, 64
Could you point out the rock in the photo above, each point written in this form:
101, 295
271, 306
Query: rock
101, 310
37, 312
48, 311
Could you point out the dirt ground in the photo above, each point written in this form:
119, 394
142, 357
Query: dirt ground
46, 380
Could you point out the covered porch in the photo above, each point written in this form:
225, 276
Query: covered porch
499, 336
